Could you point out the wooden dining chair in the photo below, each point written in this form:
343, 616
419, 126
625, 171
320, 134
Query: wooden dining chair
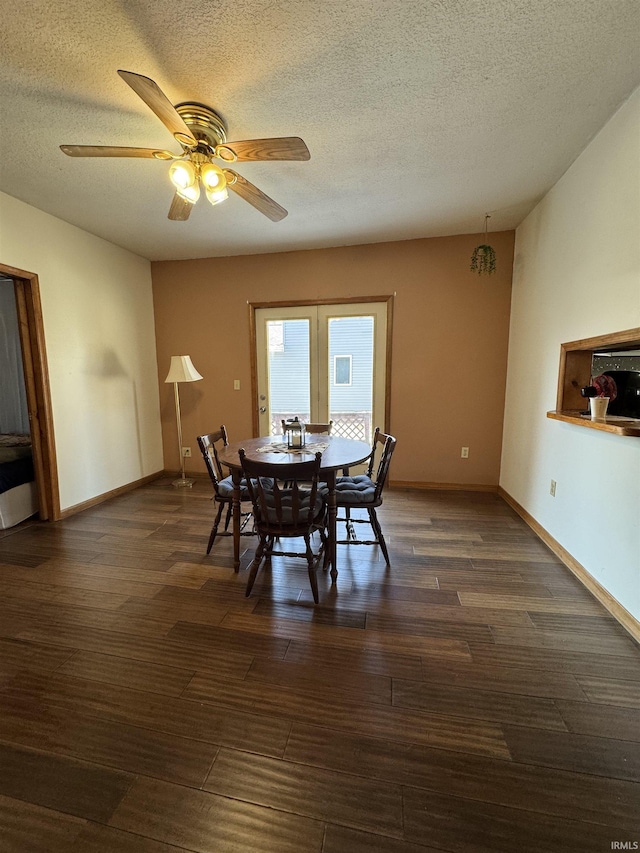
287, 504
222, 485
364, 491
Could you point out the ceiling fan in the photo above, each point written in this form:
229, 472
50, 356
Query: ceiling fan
203, 136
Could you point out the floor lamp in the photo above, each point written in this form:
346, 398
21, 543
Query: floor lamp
181, 370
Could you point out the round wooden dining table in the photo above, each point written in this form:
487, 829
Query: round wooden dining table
337, 453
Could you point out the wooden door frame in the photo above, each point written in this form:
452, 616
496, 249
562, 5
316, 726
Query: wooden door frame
36, 377
296, 303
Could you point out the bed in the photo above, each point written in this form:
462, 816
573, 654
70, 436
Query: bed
18, 493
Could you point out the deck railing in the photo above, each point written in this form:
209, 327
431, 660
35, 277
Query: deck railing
355, 425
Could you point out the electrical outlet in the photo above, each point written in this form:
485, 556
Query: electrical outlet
464, 453
236, 384
552, 490
186, 452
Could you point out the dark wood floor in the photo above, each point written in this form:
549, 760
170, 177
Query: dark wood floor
473, 697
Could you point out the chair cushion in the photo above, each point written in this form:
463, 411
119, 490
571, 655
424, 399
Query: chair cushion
225, 489
286, 498
352, 491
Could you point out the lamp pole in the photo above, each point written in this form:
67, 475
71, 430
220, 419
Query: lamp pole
183, 481
181, 370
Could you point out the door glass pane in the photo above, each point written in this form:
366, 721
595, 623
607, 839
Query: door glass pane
351, 376
289, 372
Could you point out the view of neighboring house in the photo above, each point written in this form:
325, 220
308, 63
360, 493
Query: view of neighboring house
350, 377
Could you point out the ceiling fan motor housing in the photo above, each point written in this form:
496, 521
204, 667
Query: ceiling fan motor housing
204, 123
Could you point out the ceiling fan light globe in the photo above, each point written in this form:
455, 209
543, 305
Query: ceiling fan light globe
182, 174
216, 196
212, 177
191, 193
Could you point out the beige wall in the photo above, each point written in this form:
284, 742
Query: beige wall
99, 334
577, 275
449, 352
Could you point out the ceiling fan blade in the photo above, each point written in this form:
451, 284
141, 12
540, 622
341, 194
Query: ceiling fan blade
115, 151
249, 192
279, 148
156, 100
180, 209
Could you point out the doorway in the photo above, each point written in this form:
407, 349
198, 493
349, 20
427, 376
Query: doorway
322, 362
36, 378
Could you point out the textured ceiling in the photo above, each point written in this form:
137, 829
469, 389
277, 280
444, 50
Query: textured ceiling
420, 115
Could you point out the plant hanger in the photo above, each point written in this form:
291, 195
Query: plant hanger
483, 259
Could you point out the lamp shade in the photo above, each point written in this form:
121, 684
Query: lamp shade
216, 196
183, 174
212, 177
190, 193
182, 370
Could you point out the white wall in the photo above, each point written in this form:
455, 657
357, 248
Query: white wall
100, 339
576, 275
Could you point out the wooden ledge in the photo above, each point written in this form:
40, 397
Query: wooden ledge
611, 423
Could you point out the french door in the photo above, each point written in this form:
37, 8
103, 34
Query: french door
322, 363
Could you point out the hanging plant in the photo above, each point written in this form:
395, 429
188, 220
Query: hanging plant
483, 259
